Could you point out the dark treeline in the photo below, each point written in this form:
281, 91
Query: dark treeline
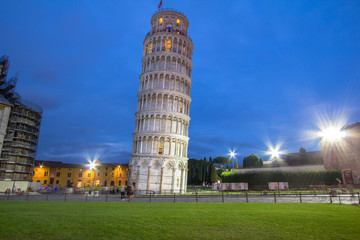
252, 161
295, 179
201, 172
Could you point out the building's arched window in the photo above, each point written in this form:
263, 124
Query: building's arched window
149, 49
184, 50
169, 28
168, 45
177, 22
160, 21
161, 150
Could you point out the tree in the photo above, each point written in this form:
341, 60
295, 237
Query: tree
236, 165
303, 156
252, 161
213, 175
222, 160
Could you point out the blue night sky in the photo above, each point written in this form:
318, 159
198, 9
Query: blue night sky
263, 72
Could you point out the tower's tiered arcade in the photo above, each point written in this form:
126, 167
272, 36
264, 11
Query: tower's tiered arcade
160, 141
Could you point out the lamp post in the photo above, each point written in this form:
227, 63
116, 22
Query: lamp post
274, 154
232, 155
92, 165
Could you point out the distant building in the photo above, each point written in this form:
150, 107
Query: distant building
302, 158
344, 154
19, 129
51, 173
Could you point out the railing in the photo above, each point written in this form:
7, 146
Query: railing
55, 194
29, 105
166, 30
169, 9
38, 120
23, 138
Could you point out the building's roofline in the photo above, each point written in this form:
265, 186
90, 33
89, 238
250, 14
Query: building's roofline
3, 100
75, 165
354, 125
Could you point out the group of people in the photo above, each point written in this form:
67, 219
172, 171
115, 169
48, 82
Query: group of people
13, 191
128, 192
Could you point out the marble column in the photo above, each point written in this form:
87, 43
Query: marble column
162, 180
173, 180
148, 180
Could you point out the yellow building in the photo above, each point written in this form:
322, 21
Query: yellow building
59, 174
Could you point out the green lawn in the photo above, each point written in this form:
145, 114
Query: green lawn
92, 220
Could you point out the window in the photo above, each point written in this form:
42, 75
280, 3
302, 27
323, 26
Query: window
46, 174
58, 174
112, 174
181, 109
106, 174
160, 150
89, 174
177, 22
80, 174
160, 21
69, 174
105, 183
45, 181
120, 175
57, 182
149, 51
168, 45
113, 168
119, 183
184, 50
98, 174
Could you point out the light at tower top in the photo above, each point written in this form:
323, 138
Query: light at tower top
169, 20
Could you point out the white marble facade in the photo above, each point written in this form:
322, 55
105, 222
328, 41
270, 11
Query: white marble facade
160, 141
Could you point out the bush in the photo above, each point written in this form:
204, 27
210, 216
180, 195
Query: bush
295, 179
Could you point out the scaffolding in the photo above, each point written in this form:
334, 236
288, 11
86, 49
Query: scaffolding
22, 133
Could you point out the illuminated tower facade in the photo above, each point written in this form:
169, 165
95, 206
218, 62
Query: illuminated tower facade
160, 141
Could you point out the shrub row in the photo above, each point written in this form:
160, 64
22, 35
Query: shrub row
295, 179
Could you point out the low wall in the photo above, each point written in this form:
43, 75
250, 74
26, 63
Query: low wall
281, 169
23, 185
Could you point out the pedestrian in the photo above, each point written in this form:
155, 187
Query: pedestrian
129, 192
122, 192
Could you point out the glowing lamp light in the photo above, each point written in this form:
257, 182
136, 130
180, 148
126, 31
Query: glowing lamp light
332, 134
275, 153
232, 154
92, 164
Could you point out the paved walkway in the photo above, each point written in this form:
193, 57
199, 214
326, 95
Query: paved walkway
343, 199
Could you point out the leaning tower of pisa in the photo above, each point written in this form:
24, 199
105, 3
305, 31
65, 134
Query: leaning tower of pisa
160, 141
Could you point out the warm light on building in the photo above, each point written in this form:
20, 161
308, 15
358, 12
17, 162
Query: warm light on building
60, 174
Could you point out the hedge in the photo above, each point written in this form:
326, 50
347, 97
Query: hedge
295, 179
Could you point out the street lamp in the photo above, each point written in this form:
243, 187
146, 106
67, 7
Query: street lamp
274, 153
332, 134
232, 154
92, 166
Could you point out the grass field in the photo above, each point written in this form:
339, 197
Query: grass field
96, 220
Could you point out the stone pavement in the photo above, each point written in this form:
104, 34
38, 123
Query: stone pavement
271, 198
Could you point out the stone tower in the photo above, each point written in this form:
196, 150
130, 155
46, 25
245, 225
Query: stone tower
159, 157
